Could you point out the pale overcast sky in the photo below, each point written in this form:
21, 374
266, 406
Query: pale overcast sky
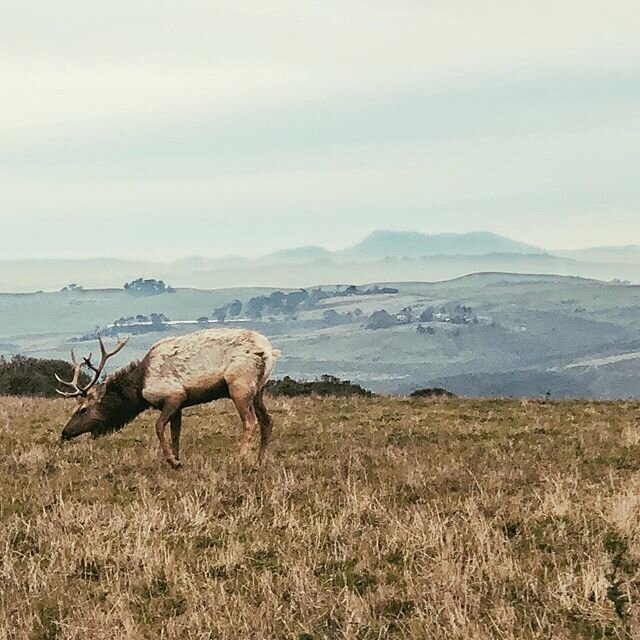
163, 129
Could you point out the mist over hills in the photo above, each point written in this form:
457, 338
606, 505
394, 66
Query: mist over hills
380, 244
381, 256
627, 254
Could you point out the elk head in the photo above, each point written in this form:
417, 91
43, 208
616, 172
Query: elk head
91, 414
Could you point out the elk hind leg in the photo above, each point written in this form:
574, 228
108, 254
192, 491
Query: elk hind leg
266, 424
243, 400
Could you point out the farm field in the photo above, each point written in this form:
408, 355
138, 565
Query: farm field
373, 519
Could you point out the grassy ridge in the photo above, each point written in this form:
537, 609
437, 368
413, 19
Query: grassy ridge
374, 518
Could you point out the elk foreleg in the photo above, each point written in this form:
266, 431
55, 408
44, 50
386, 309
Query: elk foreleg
176, 427
167, 413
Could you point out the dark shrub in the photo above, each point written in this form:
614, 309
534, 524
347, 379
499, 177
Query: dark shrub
326, 386
23, 376
432, 392
381, 320
147, 287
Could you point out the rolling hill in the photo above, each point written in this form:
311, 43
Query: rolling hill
486, 334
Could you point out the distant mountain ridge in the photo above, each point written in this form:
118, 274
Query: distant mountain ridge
382, 256
411, 244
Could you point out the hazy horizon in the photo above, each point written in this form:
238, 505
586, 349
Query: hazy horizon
331, 248
157, 131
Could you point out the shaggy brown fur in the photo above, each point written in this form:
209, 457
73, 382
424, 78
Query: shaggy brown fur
122, 400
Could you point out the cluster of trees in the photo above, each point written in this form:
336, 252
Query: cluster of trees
232, 310
22, 376
381, 319
352, 290
333, 318
279, 303
154, 318
135, 325
455, 314
135, 329
147, 287
288, 304
425, 330
326, 385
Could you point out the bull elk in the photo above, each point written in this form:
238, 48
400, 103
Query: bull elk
177, 372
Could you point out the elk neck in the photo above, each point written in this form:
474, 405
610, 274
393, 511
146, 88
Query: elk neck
123, 399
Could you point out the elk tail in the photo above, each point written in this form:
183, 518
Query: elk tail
269, 359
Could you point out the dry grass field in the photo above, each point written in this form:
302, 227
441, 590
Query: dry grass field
373, 519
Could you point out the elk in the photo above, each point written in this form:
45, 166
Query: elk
177, 372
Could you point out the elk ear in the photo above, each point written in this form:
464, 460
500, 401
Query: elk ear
98, 392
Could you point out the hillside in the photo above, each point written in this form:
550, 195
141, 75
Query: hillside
490, 334
475, 519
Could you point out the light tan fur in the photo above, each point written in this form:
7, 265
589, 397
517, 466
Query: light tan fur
205, 365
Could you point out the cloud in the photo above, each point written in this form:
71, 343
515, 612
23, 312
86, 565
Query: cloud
299, 117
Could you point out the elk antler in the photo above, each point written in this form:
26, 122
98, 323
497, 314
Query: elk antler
104, 356
74, 384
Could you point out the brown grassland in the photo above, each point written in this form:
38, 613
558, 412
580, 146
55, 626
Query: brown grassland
373, 519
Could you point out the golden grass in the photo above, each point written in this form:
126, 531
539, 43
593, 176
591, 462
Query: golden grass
374, 518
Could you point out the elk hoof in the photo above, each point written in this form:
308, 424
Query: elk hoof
175, 464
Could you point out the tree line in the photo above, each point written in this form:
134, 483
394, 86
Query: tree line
288, 304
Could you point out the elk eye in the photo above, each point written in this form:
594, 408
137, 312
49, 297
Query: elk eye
82, 410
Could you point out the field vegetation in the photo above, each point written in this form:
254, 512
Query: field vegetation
374, 518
